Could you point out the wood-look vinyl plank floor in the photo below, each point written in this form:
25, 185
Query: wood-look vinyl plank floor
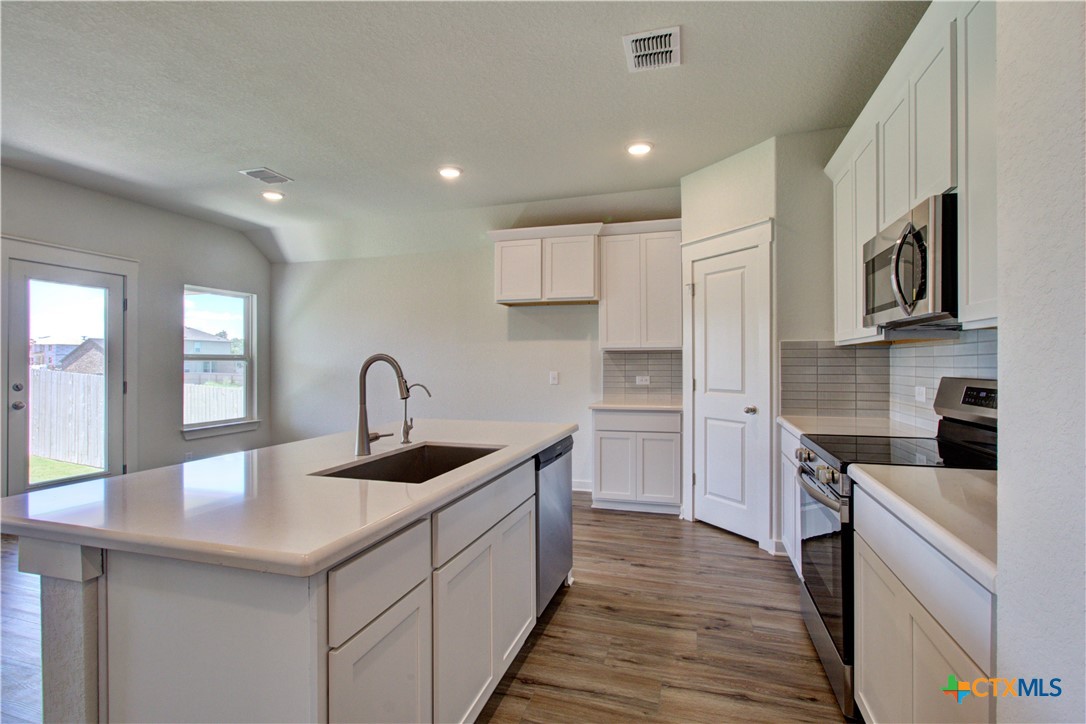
694, 624
667, 621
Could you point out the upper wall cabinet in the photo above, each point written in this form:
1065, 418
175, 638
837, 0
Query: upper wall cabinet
928, 129
546, 265
641, 295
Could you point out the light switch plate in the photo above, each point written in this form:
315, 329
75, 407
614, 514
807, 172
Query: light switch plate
642, 380
554, 377
921, 393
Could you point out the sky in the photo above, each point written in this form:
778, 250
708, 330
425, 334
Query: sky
213, 313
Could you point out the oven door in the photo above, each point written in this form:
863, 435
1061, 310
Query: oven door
826, 546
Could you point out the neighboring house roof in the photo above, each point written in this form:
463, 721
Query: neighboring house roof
88, 358
198, 335
59, 341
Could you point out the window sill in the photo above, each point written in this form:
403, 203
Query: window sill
197, 432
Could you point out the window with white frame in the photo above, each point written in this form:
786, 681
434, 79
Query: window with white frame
219, 385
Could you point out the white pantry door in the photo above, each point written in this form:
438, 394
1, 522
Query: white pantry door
731, 418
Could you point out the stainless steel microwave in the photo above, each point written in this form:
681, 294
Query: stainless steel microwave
911, 267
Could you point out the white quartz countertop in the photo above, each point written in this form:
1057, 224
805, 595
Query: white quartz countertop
953, 510
822, 425
264, 509
633, 403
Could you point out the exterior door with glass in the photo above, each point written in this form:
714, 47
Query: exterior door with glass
65, 381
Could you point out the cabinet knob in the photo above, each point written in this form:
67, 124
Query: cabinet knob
750, 410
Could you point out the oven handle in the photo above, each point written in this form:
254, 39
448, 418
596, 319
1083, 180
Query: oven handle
817, 494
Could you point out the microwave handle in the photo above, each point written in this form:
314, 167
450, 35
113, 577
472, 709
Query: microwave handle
815, 493
895, 280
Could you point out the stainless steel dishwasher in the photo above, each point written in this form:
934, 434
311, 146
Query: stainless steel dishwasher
554, 520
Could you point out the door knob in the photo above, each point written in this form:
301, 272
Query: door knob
18, 405
750, 410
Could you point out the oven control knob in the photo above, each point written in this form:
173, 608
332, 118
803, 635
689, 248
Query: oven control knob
826, 475
804, 455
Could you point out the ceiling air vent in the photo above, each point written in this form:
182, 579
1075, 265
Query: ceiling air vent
652, 49
266, 175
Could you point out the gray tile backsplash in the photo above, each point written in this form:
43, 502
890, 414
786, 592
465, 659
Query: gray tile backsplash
925, 364
663, 368
819, 378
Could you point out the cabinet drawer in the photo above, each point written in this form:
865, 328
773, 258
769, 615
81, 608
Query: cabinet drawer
457, 525
360, 589
961, 605
637, 421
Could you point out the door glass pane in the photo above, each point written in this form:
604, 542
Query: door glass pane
67, 383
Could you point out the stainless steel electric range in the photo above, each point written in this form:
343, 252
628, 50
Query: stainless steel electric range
966, 438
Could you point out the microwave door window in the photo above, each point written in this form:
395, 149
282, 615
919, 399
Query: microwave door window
877, 290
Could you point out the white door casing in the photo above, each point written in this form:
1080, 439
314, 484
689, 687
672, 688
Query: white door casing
728, 400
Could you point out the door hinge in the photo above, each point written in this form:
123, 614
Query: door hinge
693, 480
694, 385
124, 387
691, 286
124, 305
124, 470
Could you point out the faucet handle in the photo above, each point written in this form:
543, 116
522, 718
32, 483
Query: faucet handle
419, 384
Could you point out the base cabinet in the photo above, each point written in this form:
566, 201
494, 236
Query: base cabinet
638, 460
384, 673
903, 656
484, 608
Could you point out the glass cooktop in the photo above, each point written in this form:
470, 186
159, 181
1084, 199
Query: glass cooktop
839, 451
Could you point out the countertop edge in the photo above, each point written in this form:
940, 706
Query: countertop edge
633, 406
297, 564
969, 560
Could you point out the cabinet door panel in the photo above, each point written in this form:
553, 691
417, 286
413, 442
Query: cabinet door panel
790, 512
518, 270
894, 167
844, 258
936, 656
977, 254
514, 582
569, 268
882, 639
616, 465
620, 300
865, 170
661, 280
933, 99
658, 475
463, 643
384, 672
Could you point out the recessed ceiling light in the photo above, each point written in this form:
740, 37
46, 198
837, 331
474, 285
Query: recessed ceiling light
273, 195
450, 172
639, 149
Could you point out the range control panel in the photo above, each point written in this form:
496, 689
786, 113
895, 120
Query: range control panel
980, 397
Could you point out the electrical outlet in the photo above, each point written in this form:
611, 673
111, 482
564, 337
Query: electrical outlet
554, 377
642, 380
921, 393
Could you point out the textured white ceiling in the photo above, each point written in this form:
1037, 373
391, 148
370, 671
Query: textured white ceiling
360, 102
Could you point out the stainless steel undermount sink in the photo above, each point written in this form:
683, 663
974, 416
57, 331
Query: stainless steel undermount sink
413, 465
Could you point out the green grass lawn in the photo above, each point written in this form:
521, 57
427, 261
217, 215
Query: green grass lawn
43, 470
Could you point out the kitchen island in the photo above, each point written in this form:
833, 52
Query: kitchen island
248, 588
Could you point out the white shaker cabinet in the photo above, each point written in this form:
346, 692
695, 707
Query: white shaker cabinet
903, 655
977, 254
484, 609
384, 673
893, 171
855, 196
546, 265
933, 141
790, 500
638, 460
641, 289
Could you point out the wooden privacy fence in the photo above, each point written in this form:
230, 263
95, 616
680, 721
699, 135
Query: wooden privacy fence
67, 414
206, 403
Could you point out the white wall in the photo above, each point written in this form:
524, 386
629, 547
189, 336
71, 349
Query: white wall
435, 313
172, 250
735, 192
803, 235
1042, 288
